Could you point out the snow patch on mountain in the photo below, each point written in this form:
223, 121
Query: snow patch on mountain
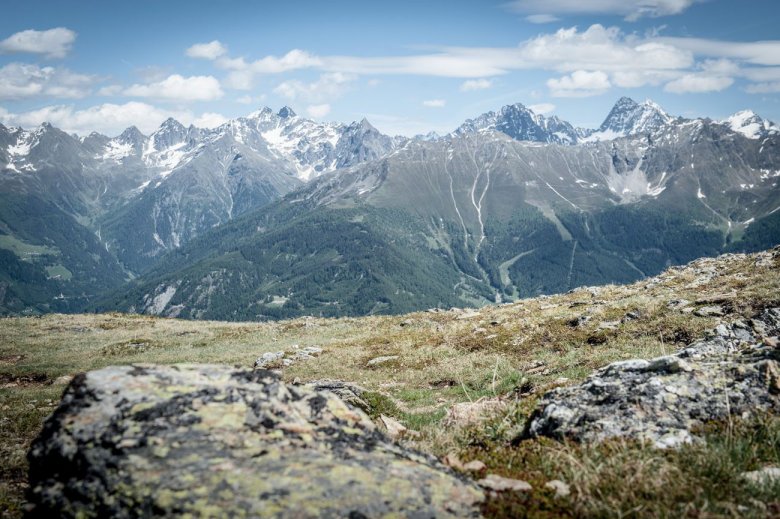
116, 150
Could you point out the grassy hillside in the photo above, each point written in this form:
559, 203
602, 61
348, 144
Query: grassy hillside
509, 354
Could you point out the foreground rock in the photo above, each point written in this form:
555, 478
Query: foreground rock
212, 441
733, 372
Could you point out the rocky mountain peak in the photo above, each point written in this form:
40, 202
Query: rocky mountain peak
521, 123
628, 117
170, 133
286, 112
131, 135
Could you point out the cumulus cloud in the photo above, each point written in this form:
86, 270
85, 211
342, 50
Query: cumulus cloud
179, 88
20, 80
631, 10
52, 43
210, 51
580, 83
108, 118
601, 48
318, 111
328, 87
542, 108
435, 103
475, 84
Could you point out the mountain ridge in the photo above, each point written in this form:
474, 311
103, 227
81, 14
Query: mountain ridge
144, 197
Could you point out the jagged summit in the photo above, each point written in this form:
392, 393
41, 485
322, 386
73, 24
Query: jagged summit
521, 123
286, 112
628, 117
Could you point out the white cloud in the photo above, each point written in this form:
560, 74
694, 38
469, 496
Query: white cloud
211, 50
580, 83
630, 9
600, 48
754, 53
475, 84
242, 73
566, 50
542, 108
767, 87
110, 90
328, 87
21, 80
210, 120
435, 103
108, 118
318, 111
698, 83
52, 43
541, 18
179, 88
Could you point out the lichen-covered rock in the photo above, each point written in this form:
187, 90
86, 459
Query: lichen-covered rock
734, 371
139, 441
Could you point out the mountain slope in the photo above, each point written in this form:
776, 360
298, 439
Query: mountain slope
495, 218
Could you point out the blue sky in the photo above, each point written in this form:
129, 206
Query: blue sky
410, 67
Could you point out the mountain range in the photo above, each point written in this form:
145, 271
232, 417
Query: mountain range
274, 215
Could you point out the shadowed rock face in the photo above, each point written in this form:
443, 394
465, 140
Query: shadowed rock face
735, 371
213, 441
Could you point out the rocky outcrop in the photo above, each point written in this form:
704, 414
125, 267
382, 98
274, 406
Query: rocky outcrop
734, 371
202, 440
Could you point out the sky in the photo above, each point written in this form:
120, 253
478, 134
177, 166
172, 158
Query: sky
410, 67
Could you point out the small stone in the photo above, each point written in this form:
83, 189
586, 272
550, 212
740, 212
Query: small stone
453, 461
296, 381
678, 303
381, 360
632, 316
765, 476
609, 325
405, 322
475, 466
709, 311
470, 413
63, 380
394, 428
502, 484
268, 358
669, 364
560, 488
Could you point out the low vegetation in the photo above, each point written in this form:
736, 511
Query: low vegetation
435, 359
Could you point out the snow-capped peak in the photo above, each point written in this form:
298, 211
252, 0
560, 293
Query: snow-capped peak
750, 124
